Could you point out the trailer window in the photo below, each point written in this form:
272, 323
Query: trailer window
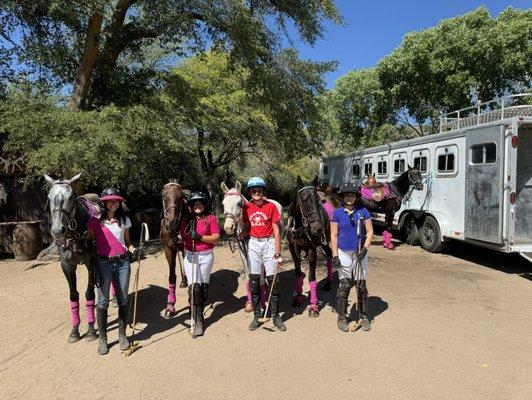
382, 168
421, 163
368, 169
356, 170
485, 153
446, 162
399, 166
325, 170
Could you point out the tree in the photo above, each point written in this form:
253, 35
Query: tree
99, 46
447, 67
232, 117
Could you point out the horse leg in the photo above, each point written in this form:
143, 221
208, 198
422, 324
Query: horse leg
90, 303
170, 253
249, 304
299, 276
313, 310
69, 270
181, 249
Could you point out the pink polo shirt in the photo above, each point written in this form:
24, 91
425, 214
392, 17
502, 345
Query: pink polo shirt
205, 226
109, 236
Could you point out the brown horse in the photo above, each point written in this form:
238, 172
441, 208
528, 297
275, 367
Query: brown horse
175, 211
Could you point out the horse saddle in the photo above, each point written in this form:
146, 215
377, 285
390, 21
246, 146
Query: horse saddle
377, 192
91, 202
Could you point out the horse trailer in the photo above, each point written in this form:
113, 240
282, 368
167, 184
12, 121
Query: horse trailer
477, 175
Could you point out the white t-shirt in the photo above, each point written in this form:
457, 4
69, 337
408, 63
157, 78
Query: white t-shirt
118, 231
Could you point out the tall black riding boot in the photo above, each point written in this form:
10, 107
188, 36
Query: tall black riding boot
198, 310
254, 286
341, 304
101, 318
122, 324
363, 299
274, 306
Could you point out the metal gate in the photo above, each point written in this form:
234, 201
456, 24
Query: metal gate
484, 184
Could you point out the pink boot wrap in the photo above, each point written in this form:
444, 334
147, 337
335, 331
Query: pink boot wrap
74, 313
90, 311
313, 295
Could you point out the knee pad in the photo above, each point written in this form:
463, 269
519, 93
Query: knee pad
204, 291
273, 288
362, 288
344, 288
197, 293
254, 283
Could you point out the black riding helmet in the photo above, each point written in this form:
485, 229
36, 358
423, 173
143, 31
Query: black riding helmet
197, 196
111, 194
349, 188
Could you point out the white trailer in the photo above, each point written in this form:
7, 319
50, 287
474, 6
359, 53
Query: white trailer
477, 178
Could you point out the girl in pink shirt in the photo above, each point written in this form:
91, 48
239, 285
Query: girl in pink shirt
199, 235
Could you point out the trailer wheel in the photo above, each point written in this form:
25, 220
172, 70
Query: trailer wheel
430, 235
409, 231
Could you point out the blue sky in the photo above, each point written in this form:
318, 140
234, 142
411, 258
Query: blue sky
374, 28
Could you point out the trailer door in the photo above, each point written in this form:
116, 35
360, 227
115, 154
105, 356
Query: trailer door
483, 184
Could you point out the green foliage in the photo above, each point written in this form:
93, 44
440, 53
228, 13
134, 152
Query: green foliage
135, 148
448, 66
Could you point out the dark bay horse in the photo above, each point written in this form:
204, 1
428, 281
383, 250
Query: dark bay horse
175, 211
69, 229
308, 229
393, 193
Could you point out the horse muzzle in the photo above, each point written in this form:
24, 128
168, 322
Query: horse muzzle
419, 186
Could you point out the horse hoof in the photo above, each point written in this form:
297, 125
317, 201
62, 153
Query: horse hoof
248, 307
327, 286
90, 336
312, 313
74, 337
183, 284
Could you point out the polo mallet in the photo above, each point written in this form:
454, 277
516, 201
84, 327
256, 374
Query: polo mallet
192, 307
144, 236
358, 274
266, 318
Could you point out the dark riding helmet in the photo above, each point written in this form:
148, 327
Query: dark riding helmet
197, 196
349, 188
111, 194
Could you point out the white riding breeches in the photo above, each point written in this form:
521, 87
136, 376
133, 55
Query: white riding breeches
203, 262
347, 259
260, 253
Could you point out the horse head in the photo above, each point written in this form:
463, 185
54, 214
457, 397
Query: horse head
308, 205
62, 201
415, 178
172, 195
232, 203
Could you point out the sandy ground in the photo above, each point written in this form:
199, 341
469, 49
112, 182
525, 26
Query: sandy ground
455, 325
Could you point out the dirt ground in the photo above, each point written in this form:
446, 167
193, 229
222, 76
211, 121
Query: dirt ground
454, 325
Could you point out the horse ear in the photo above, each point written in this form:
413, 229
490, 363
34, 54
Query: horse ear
409, 167
74, 179
299, 182
224, 187
49, 180
238, 186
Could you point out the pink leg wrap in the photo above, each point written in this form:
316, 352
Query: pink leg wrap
171, 294
299, 289
329, 270
90, 311
248, 292
313, 295
263, 295
74, 313
113, 287
388, 242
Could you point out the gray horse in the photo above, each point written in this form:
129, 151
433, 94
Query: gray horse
69, 229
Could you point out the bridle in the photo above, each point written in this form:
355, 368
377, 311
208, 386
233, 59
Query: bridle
178, 207
304, 229
72, 234
235, 217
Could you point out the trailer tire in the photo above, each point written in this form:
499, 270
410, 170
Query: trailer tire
430, 235
409, 231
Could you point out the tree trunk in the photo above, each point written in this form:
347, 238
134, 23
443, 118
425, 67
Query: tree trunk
88, 61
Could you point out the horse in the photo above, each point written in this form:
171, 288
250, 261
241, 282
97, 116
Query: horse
233, 203
175, 209
308, 229
69, 215
387, 198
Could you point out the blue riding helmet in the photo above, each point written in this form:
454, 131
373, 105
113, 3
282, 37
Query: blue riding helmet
256, 181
